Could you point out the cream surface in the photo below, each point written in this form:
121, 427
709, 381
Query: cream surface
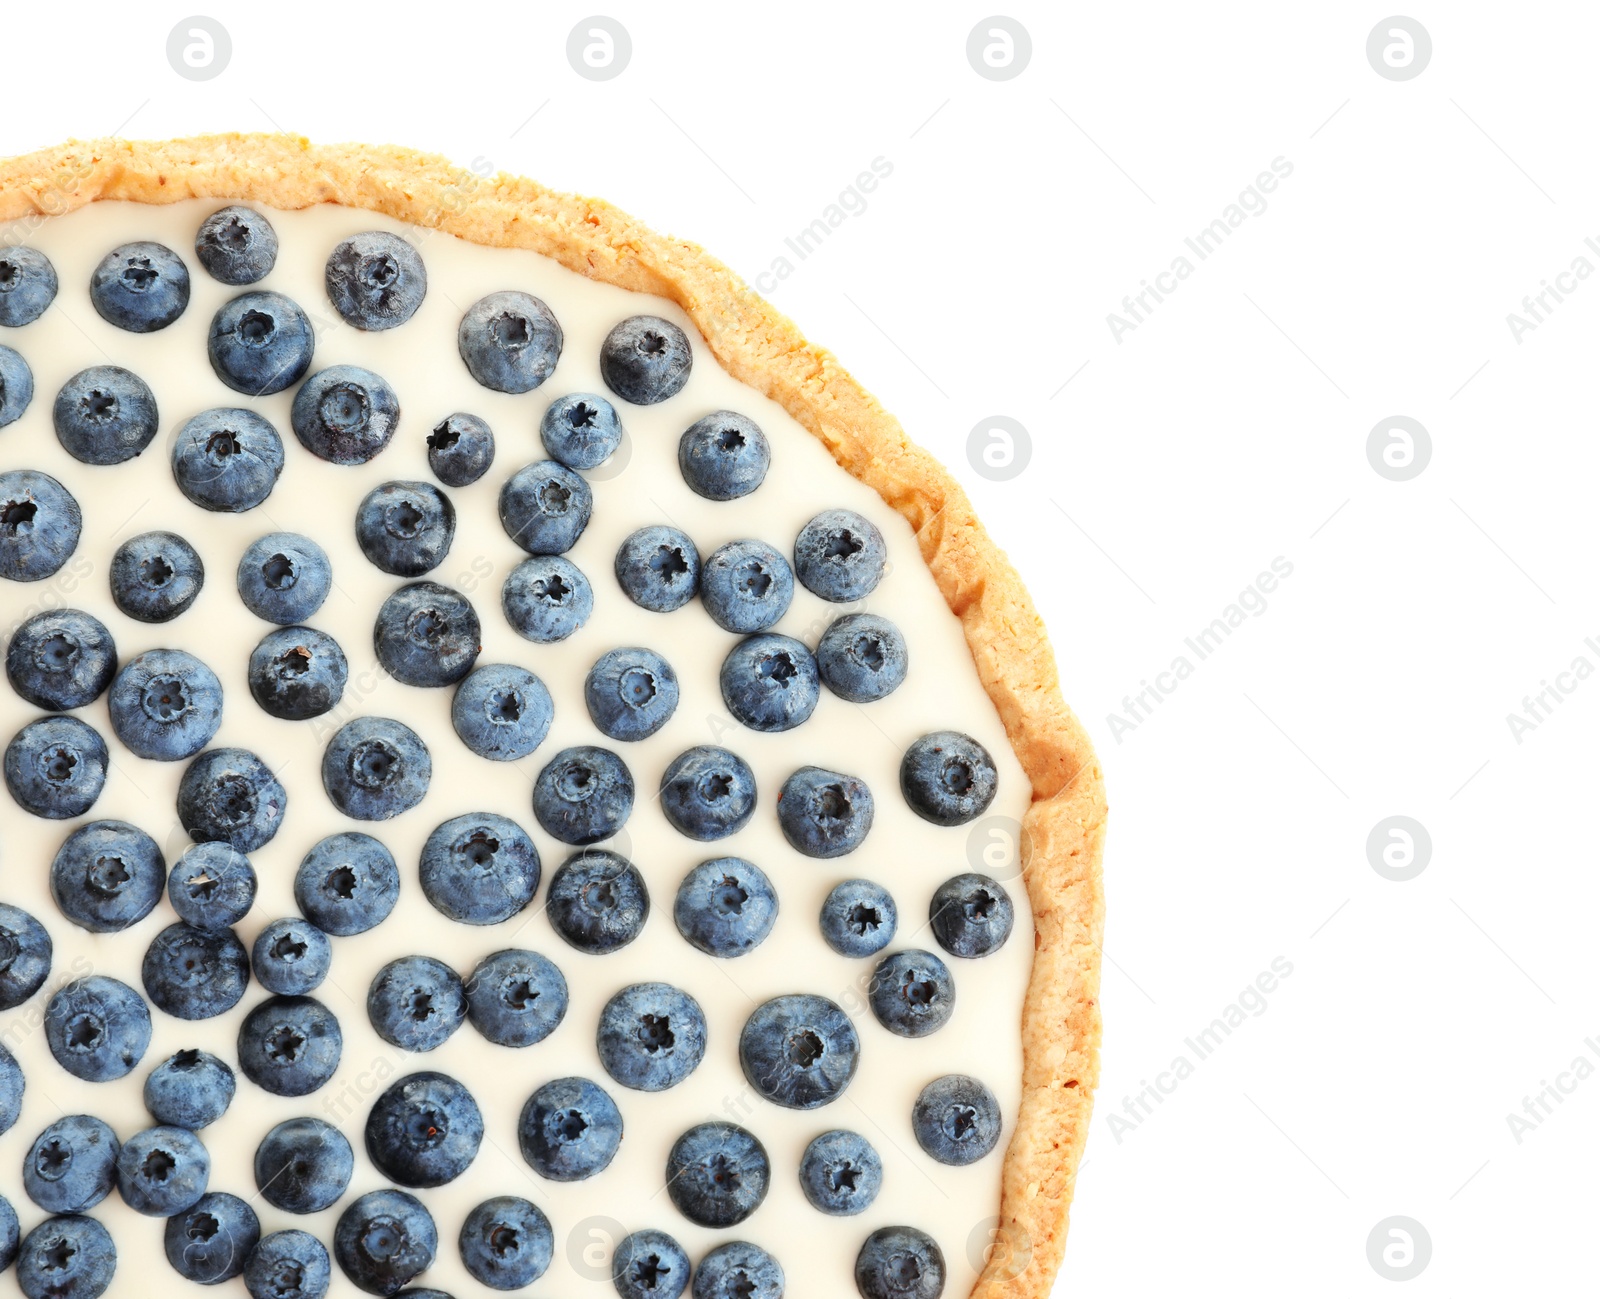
640, 485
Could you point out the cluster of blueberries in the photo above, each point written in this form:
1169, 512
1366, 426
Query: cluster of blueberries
799, 1051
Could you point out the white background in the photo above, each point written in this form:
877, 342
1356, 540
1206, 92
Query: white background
1168, 469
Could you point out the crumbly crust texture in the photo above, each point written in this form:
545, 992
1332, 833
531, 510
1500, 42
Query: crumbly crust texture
1064, 829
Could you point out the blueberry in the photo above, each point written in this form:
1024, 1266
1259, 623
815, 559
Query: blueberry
651, 1037
195, 973
658, 568
724, 456
646, 359
569, 1130
297, 673
840, 556
375, 280
16, 386
190, 1089
510, 341
502, 712
236, 245
544, 508
70, 1257
12, 1087
718, 1174
284, 577
479, 869
769, 682
165, 704
383, 1240
303, 1165
28, 286
375, 768
516, 998
460, 450
290, 1046
25, 952
824, 813
900, 1263
212, 886
61, 659
912, 993
40, 523
424, 1130
155, 577
841, 1173
799, 1051
347, 884
427, 635
546, 599
506, 1243
162, 1171
956, 1119
227, 460
858, 918
10, 1234
107, 876
260, 343
288, 1265
970, 915
708, 793
862, 657
746, 586
649, 1264
72, 1165
416, 1003
230, 796
344, 414
55, 767
105, 415
725, 907
631, 693
597, 901
580, 430
291, 957
583, 795
140, 287
210, 1242
738, 1270
406, 528
948, 778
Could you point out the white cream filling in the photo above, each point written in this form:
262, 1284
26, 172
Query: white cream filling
640, 485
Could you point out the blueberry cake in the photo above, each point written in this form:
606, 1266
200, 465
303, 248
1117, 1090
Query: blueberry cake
517, 773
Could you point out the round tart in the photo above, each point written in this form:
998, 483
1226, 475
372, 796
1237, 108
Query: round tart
518, 771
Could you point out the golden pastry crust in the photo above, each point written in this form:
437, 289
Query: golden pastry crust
1064, 829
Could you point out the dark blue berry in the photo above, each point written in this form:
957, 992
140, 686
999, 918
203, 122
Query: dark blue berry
209, 1243
195, 973
738, 1270
583, 795
708, 793
25, 952
544, 508
971, 915
479, 869
212, 886
725, 907
631, 693
303, 1165
724, 456
345, 414
516, 998
912, 993
72, 1165
289, 1046
406, 528
16, 386
56, 767
841, 1173
165, 704
645, 360
948, 778
140, 287
291, 957
824, 813
858, 918
190, 1089
510, 341
230, 796
385, 1239
236, 245
658, 568
40, 523
375, 280
799, 1051
506, 1243
297, 673
424, 1130
28, 286
156, 576
502, 712
569, 1130
580, 430
162, 1171
546, 599
375, 768
260, 343
651, 1037
107, 876
769, 682
70, 1257
61, 659
427, 635
284, 577
105, 415
597, 901
288, 1265
649, 1264
862, 657
227, 460
840, 556
900, 1263
956, 1119
460, 450
12, 1087
347, 884
717, 1175
416, 1003
746, 586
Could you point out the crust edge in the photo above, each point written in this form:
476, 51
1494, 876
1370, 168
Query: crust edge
1064, 829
